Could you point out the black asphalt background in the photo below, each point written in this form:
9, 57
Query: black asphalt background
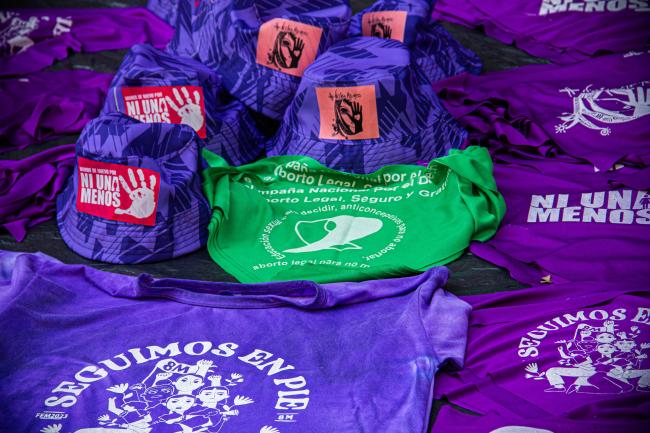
469, 274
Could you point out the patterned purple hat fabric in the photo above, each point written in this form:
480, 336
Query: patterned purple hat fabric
450, 420
28, 188
598, 110
135, 195
568, 352
290, 357
29, 115
154, 86
32, 39
164, 9
432, 47
362, 105
565, 222
563, 31
261, 47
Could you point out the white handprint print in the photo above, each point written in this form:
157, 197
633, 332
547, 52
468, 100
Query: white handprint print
189, 111
269, 429
143, 202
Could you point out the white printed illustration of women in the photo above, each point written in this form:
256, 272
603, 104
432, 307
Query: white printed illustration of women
143, 202
598, 360
189, 110
594, 107
175, 397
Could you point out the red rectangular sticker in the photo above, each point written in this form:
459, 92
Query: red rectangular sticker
180, 105
386, 24
287, 46
348, 113
117, 192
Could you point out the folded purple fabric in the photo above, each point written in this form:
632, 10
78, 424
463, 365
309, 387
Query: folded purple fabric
165, 9
450, 420
48, 104
32, 39
28, 188
554, 357
563, 31
598, 110
565, 222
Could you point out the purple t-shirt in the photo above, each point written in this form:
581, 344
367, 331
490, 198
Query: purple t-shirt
45, 105
597, 110
32, 39
563, 31
449, 420
566, 222
574, 351
95, 351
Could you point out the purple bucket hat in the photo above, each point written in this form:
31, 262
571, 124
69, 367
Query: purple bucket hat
135, 195
164, 9
261, 48
154, 86
409, 21
363, 105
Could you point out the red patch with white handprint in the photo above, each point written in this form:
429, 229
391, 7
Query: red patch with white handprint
180, 105
287, 46
117, 192
384, 24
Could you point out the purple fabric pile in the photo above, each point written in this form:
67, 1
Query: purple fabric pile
28, 115
563, 31
28, 188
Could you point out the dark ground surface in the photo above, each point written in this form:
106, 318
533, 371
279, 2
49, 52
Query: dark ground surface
469, 274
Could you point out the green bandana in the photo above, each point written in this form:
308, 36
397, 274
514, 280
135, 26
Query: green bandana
289, 217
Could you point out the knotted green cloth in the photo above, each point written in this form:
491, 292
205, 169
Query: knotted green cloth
289, 217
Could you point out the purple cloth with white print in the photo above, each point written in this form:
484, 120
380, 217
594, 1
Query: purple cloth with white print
450, 420
32, 39
135, 194
566, 222
573, 352
290, 357
45, 105
432, 47
28, 188
563, 31
224, 123
363, 105
598, 110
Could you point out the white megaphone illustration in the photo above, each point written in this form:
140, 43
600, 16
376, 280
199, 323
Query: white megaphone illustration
336, 233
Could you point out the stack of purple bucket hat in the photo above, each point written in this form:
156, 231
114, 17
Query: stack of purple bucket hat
363, 105
154, 86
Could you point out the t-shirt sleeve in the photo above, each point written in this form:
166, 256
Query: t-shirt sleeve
445, 319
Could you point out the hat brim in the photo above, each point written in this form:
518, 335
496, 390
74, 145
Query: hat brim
366, 156
117, 242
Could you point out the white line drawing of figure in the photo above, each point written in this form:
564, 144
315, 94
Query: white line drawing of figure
335, 233
189, 110
15, 38
576, 355
631, 360
177, 405
626, 103
213, 411
124, 423
143, 202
